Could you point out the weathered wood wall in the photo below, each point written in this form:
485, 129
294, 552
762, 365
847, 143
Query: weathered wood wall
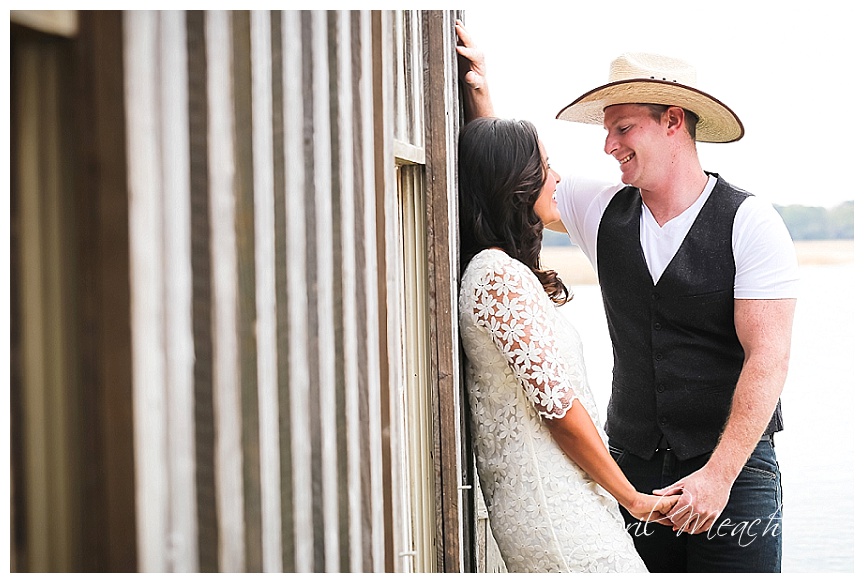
283, 451
259, 367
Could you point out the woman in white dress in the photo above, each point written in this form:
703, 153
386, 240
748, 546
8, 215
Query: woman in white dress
550, 485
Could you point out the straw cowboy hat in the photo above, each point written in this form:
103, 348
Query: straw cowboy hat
648, 78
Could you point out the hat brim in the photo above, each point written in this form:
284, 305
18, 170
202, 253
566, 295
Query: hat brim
717, 122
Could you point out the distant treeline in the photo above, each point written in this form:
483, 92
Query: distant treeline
805, 223
808, 223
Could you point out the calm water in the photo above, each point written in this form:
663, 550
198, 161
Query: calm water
816, 450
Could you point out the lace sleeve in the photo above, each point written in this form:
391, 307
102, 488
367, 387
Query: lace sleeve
512, 310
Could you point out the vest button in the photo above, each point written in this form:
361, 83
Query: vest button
663, 420
657, 325
655, 296
661, 387
658, 356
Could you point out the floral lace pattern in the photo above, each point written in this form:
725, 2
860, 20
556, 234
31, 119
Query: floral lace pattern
525, 364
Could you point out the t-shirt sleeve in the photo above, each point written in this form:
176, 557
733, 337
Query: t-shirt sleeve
581, 203
766, 265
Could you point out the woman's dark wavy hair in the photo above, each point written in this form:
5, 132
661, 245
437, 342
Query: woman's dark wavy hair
501, 175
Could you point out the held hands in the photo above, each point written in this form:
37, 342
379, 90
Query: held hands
701, 497
648, 508
690, 505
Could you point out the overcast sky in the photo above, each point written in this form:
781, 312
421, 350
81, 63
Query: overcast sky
792, 74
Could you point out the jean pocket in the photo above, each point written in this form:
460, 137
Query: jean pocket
617, 454
759, 472
762, 462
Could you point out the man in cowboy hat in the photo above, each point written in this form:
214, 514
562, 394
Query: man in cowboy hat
699, 280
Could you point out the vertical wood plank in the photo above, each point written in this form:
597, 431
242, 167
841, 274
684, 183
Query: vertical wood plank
229, 454
401, 88
323, 218
244, 224
397, 520
262, 139
370, 386
145, 226
106, 292
338, 403
60, 361
202, 297
310, 193
30, 484
17, 460
349, 440
414, 77
441, 122
161, 284
113, 301
299, 326
284, 405
176, 265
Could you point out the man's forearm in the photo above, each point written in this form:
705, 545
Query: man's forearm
755, 399
765, 329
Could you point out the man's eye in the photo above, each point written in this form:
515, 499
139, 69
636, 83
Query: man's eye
623, 129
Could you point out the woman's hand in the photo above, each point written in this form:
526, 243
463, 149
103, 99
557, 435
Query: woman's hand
472, 70
474, 61
648, 508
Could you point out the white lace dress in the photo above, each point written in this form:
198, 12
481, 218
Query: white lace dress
524, 363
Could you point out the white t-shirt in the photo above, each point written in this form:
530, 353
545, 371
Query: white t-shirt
766, 266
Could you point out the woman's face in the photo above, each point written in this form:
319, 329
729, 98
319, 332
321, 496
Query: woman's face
546, 206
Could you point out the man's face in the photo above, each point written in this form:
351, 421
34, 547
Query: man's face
637, 141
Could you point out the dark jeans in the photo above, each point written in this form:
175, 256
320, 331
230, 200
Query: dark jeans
747, 537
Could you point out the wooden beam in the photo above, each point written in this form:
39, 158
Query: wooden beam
321, 246
226, 370
265, 288
146, 276
57, 22
441, 100
161, 279
244, 230
396, 521
370, 387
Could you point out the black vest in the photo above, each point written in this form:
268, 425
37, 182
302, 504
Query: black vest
677, 357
